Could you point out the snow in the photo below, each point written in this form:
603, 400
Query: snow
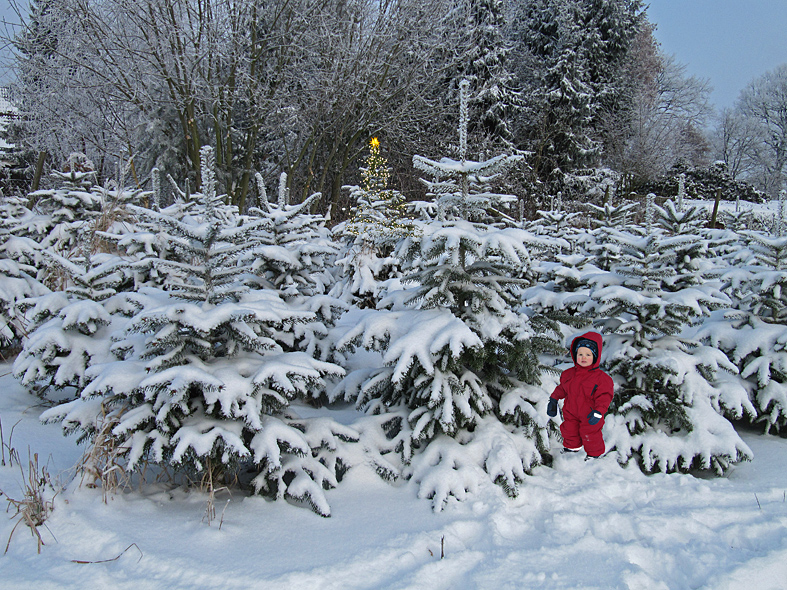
579, 524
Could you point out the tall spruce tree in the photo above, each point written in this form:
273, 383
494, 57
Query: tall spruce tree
573, 52
496, 97
461, 363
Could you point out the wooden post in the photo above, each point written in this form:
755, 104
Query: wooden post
715, 209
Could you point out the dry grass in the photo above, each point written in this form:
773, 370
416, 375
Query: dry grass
102, 463
207, 485
36, 505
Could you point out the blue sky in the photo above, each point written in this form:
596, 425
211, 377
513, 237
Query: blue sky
728, 42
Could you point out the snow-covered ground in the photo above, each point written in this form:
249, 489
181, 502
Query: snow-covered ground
577, 525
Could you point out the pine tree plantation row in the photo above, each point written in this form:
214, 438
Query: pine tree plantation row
423, 338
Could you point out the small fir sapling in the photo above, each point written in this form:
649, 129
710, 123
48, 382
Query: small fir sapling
70, 330
17, 275
66, 209
378, 222
684, 232
605, 221
294, 256
560, 290
296, 249
17, 284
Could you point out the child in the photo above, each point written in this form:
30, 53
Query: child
587, 391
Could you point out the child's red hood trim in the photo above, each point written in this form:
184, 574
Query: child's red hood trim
593, 337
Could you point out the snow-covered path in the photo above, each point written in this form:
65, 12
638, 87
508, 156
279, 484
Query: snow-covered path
577, 525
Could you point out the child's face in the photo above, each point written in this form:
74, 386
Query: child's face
584, 357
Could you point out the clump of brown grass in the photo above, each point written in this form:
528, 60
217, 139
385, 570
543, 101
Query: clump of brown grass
207, 484
102, 463
35, 507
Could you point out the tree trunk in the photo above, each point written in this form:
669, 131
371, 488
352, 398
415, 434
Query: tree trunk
39, 171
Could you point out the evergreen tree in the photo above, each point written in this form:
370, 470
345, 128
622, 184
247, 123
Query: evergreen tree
608, 219
294, 257
461, 363
684, 234
378, 222
459, 358
60, 215
560, 104
561, 291
669, 395
573, 57
205, 370
70, 330
298, 246
558, 224
496, 97
17, 275
461, 189
754, 335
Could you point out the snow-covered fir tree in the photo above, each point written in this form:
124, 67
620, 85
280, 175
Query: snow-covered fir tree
70, 330
670, 391
462, 188
295, 256
561, 290
204, 372
17, 283
460, 363
297, 247
495, 97
574, 76
606, 220
17, 276
557, 223
684, 235
60, 215
754, 333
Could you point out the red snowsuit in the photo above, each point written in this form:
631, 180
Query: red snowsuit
585, 389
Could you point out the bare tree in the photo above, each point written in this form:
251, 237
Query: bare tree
735, 140
763, 104
295, 84
664, 124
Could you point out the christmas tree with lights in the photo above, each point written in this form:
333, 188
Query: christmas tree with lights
379, 220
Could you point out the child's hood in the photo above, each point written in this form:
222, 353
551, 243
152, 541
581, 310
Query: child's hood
576, 343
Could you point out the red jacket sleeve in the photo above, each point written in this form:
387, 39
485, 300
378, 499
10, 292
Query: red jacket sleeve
603, 396
560, 392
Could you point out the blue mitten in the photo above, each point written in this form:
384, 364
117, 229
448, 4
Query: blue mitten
594, 417
552, 407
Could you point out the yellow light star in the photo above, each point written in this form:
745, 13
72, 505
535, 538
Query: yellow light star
375, 143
